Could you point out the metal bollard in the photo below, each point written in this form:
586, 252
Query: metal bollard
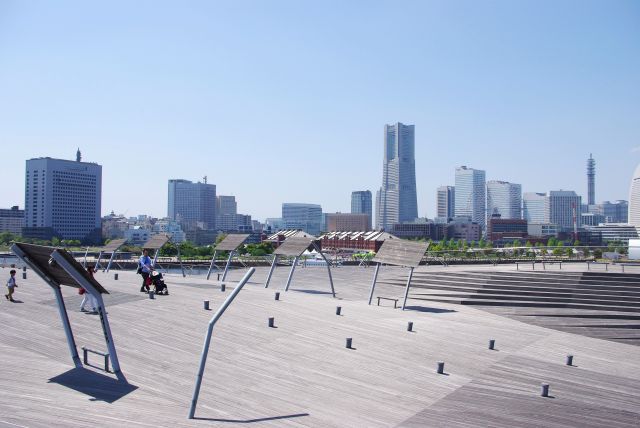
440, 367
545, 390
24, 275
569, 360
222, 287
272, 322
115, 276
349, 342
410, 326
24, 268
206, 305
338, 310
492, 343
152, 295
277, 295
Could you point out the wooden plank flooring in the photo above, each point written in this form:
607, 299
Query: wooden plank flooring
300, 374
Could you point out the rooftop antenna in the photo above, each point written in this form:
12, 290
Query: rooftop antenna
204, 179
78, 155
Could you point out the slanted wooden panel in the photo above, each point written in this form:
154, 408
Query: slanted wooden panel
40, 256
156, 242
232, 241
113, 245
293, 246
401, 253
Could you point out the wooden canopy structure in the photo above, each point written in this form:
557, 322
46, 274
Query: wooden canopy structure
58, 267
230, 243
294, 247
399, 252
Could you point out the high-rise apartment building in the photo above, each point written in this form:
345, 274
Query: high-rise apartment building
470, 195
63, 199
504, 198
397, 201
361, 203
591, 180
446, 202
306, 217
565, 206
535, 207
192, 205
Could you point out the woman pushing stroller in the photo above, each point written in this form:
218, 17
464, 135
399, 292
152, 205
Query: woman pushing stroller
145, 267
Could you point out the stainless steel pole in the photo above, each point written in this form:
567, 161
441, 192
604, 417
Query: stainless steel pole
207, 339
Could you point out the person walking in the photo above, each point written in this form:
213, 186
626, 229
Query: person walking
145, 270
11, 284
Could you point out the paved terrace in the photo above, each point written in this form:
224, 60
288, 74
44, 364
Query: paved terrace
300, 373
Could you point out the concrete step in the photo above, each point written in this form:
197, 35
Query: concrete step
528, 304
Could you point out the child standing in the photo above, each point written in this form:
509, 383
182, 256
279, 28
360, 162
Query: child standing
87, 297
11, 284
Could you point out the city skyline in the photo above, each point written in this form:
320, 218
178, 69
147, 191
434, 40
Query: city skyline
158, 93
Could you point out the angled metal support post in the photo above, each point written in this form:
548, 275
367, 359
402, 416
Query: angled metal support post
213, 263
113, 254
155, 257
84, 263
180, 260
293, 267
97, 266
406, 291
273, 266
104, 321
62, 310
333, 291
226, 268
207, 339
373, 284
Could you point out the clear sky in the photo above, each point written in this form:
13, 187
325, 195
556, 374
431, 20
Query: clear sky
286, 101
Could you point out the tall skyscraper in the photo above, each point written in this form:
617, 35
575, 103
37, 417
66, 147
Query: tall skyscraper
397, 200
563, 206
306, 217
63, 199
446, 202
471, 194
634, 198
504, 198
535, 207
361, 203
192, 205
591, 180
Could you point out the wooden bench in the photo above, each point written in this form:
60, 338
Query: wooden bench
395, 301
85, 357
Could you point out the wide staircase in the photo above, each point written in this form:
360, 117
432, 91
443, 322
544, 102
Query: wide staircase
596, 304
577, 290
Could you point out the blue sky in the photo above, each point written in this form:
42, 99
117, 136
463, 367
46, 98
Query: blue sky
286, 101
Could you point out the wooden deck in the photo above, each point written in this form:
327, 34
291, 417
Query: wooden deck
300, 373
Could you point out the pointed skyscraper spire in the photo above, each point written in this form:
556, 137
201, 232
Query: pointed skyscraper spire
78, 155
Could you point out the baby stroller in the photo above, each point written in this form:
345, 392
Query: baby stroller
159, 287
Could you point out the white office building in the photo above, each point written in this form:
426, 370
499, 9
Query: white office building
63, 199
446, 198
504, 198
470, 195
535, 207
